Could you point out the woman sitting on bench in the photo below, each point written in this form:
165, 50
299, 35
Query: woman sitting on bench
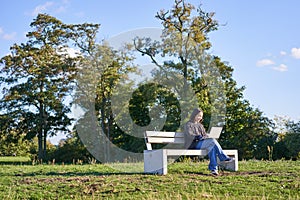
196, 138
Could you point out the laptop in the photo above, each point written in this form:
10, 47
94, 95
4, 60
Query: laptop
214, 132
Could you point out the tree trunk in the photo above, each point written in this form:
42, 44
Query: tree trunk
45, 143
40, 145
104, 129
40, 134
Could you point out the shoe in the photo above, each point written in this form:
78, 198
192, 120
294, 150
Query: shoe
214, 172
228, 160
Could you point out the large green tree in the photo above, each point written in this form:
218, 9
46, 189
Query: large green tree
101, 71
246, 127
12, 142
180, 55
38, 76
183, 49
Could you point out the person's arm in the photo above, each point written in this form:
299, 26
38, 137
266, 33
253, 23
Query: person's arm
203, 134
198, 137
189, 130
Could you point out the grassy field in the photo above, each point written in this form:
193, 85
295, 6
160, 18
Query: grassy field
188, 180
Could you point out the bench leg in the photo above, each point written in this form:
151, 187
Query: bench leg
155, 161
232, 166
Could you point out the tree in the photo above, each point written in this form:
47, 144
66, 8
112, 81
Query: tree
184, 41
38, 76
183, 47
12, 143
246, 128
288, 143
101, 71
70, 150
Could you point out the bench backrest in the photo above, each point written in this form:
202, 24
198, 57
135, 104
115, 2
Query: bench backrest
159, 137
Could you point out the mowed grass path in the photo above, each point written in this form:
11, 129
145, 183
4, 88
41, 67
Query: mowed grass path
187, 180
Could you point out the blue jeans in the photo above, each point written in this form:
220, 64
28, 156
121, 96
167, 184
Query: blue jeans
214, 150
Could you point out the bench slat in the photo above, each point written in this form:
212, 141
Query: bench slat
163, 134
187, 152
161, 140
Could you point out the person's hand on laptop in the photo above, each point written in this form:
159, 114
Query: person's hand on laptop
205, 137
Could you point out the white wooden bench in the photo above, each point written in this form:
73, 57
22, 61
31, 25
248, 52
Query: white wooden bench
156, 160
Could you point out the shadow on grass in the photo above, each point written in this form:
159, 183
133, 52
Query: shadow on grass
15, 163
94, 173
80, 174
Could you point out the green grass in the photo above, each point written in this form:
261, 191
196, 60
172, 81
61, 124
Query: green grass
188, 180
14, 159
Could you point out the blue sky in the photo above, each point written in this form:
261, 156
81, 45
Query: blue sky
259, 39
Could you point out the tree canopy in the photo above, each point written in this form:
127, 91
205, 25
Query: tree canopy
38, 76
41, 80
183, 46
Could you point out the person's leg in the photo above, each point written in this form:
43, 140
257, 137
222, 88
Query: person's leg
214, 149
209, 145
219, 151
199, 144
213, 164
212, 144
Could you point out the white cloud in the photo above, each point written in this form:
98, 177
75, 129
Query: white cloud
296, 53
11, 36
281, 68
65, 1
283, 53
51, 7
7, 36
62, 6
42, 8
264, 62
60, 9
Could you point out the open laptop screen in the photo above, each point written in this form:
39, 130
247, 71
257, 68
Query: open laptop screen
214, 132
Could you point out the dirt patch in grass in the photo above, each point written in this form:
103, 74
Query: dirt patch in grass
250, 173
55, 180
257, 173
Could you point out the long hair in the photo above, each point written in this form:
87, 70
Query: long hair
195, 112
